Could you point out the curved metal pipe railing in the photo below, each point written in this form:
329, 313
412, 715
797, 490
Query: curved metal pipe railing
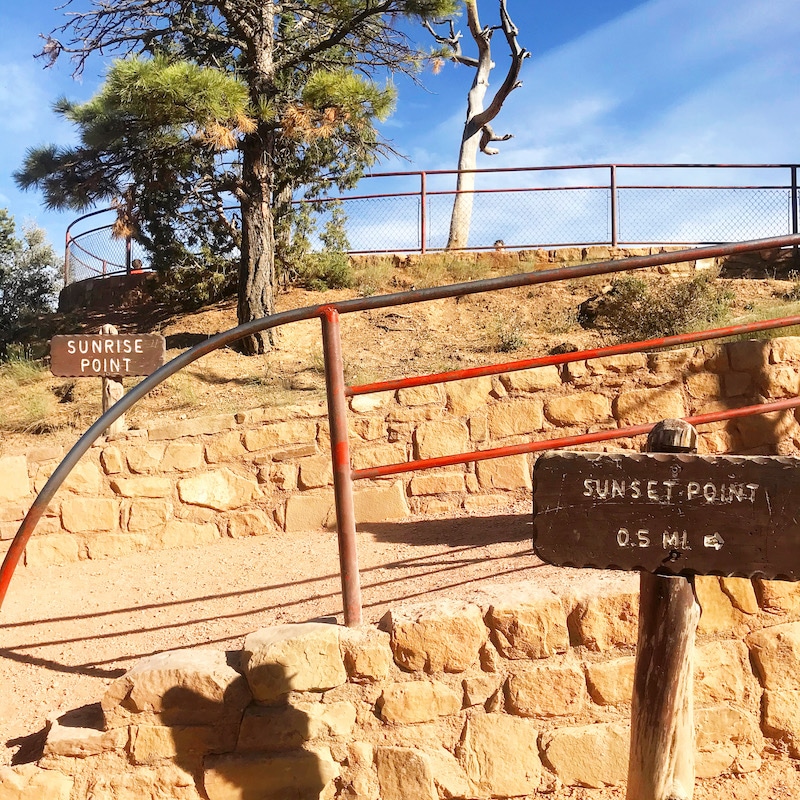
331, 310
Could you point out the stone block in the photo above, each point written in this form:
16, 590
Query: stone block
377, 455
182, 456
778, 597
220, 489
779, 381
726, 739
368, 428
786, 348
479, 427
283, 658
417, 701
281, 434
617, 365
705, 385
146, 515
547, 690
607, 620
638, 406
404, 773
111, 460
177, 688
533, 628
515, 417
142, 487
671, 361
578, 408
748, 356
479, 689
736, 384
721, 670
500, 755
510, 472
421, 395
89, 514
153, 743
309, 512
776, 652
85, 478
79, 734
477, 503
767, 429
718, 613
27, 781
426, 483
250, 522
532, 380
287, 727
441, 438
145, 460
14, 483
57, 548
120, 781
315, 472
741, 593
200, 426
306, 774
611, 682
380, 503
367, 653
183, 533
464, 397
225, 447
366, 403
781, 717
36, 455
445, 636
591, 755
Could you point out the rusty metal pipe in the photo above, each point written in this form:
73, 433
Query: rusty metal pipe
340, 456
567, 358
565, 441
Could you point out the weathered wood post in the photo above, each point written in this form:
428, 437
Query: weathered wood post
113, 390
661, 763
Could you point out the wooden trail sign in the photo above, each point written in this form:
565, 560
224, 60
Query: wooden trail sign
669, 513
106, 355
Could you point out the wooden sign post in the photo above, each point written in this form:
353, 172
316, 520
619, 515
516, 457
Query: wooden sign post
669, 514
109, 356
661, 765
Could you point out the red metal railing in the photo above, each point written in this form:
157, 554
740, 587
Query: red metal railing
555, 206
338, 392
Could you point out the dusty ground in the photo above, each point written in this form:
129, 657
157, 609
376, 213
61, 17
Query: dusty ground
67, 631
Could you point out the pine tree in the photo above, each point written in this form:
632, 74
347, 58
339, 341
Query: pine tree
245, 98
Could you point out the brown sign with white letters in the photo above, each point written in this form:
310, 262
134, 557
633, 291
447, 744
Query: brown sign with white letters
673, 514
89, 356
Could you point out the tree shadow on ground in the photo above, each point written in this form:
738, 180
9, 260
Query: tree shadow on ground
458, 532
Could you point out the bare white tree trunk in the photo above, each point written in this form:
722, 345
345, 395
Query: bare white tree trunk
478, 133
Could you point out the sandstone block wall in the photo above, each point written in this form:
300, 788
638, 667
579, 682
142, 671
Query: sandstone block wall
267, 470
523, 692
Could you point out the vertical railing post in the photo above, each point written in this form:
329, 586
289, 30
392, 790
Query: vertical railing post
67, 244
614, 209
342, 472
423, 213
128, 254
794, 206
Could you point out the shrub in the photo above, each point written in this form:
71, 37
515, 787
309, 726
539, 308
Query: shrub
635, 309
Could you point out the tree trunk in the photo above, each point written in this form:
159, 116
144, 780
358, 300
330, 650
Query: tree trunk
461, 217
257, 260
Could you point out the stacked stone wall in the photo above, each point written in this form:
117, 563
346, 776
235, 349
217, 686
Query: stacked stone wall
523, 692
192, 481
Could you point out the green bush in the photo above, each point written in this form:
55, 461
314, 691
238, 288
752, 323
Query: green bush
195, 285
635, 309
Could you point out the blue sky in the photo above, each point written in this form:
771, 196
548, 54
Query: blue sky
658, 81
